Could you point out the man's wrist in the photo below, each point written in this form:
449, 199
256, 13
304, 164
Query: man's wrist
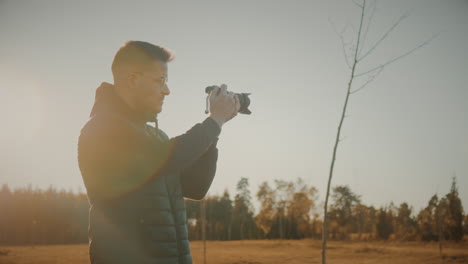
217, 120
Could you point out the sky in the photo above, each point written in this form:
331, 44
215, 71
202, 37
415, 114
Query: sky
404, 138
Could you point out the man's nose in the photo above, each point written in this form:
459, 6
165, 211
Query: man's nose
165, 90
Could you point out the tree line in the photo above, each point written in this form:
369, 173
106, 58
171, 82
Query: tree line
288, 210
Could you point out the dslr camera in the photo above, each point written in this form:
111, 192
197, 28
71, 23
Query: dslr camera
244, 100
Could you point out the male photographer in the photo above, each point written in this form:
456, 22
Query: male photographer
135, 176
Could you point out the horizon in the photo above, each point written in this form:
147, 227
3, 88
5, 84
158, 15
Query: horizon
319, 204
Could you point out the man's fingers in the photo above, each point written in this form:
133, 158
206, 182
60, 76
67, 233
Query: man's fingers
223, 88
214, 92
232, 96
228, 102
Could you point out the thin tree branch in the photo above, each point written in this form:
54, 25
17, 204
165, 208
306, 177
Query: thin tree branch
384, 36
368, 81
343, 44
352, 27
360, 6
400, 56
332, 165
369, 20
379, 69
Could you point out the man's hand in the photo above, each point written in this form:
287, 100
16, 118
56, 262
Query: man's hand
223, 106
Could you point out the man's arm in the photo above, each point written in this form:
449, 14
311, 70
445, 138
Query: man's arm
115, 158
197, 179
186, 149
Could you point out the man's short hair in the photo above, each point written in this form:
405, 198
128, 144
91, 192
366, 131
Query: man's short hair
139, 54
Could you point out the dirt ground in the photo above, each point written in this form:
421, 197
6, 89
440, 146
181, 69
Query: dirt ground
265, 251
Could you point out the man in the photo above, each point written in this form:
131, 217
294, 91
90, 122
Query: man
135, 176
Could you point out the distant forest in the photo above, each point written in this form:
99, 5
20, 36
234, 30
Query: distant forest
288, 210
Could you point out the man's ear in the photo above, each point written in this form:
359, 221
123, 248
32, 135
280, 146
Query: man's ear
133, 79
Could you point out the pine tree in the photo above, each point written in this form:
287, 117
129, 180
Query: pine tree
455, 213
243, 216
384, 224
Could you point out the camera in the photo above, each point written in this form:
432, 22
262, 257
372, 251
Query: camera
244, 100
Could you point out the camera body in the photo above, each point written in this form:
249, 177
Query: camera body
244, 100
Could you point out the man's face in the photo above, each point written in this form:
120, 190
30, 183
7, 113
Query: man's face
149, 87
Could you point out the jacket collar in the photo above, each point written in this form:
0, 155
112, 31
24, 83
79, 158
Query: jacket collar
108, 101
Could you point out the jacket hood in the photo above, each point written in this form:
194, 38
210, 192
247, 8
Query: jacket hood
107, 101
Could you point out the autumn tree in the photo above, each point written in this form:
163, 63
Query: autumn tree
405, 225
243, 223
33, 216
427, 220
363, 220
6, 219
218, 217
300, 206
384, 225
286, 210
282, 191
265, 216
455, 213
224, 209
465, 225
341, 211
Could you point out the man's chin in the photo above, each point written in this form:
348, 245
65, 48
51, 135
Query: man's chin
153, 108
156, 110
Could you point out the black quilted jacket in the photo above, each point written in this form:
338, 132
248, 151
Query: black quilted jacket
136, 180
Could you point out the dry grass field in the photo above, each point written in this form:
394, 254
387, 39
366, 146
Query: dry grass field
265, 251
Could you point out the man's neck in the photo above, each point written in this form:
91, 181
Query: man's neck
124, 96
